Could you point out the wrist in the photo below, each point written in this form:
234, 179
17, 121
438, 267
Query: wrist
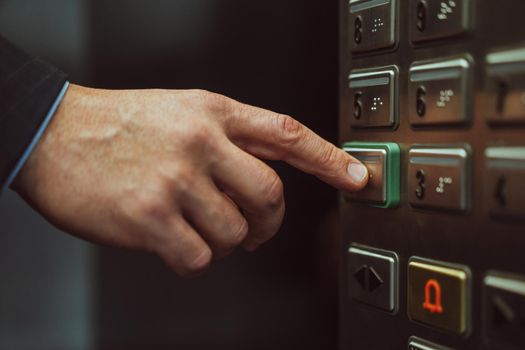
24, 179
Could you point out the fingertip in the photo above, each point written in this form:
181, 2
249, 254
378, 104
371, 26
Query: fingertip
193, 268
358, 174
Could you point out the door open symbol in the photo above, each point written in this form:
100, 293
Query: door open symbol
433, 297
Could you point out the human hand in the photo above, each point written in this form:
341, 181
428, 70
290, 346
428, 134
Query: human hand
172, 172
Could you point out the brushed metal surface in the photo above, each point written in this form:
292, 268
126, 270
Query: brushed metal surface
383, 296
421, 344
436, 19
375, 97
447, 290
505, 86
505, 182
438, 178
504, 305
372, 24
446, 84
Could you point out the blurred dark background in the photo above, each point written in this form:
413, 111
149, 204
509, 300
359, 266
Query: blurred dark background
57, 292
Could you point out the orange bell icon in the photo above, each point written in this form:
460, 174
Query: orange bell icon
433, 288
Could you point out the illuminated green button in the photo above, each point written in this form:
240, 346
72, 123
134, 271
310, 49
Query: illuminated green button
438, 295
383, 163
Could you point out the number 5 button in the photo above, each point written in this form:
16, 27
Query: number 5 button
438, 178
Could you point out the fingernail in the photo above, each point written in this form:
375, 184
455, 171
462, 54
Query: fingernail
357, 172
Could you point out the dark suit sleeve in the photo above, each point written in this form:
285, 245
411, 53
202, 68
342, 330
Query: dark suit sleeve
28, 89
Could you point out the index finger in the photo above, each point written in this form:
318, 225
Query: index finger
274, 136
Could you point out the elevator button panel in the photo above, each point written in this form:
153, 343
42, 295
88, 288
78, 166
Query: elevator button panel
436, 19
374, 97
439, 92
505, 87
372, 25
504, 309
453, 73
373, 277
438, 178
383, 163
438, 295
505, 182
415, 343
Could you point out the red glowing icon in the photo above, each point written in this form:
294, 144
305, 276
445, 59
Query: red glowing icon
433, 297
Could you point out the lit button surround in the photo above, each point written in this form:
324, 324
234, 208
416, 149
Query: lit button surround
383, 163
504, 185
439, 92
438, 294
505, 87
372, 25
438, 178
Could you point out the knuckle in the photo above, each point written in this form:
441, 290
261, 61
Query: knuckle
185, 180
273, 192
289, 130
238, 234
235, 234
197, 263
328, 157
199, 134
214, 102
151, 203
202, 95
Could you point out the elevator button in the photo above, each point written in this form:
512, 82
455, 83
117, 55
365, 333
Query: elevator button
505, 87
372, 277
438, 295
504, 309
438, 178
436, 19
439, 92
374, 96
415, 343
383, 163
372, 24
504, 187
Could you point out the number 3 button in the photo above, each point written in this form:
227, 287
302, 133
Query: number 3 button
438, 178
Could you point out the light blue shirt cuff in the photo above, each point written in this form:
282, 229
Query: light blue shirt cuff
36, 138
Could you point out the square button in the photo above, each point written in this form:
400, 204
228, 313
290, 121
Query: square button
505, 87
440, 92
374, 97
415, 343
438, 178
372, 24
383, 163
504, 185
373, 277
504, 313
438, 294
437, 19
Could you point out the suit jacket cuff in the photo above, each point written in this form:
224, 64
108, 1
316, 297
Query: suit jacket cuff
29, 88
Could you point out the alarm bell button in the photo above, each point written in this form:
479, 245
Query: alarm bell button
438, 295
